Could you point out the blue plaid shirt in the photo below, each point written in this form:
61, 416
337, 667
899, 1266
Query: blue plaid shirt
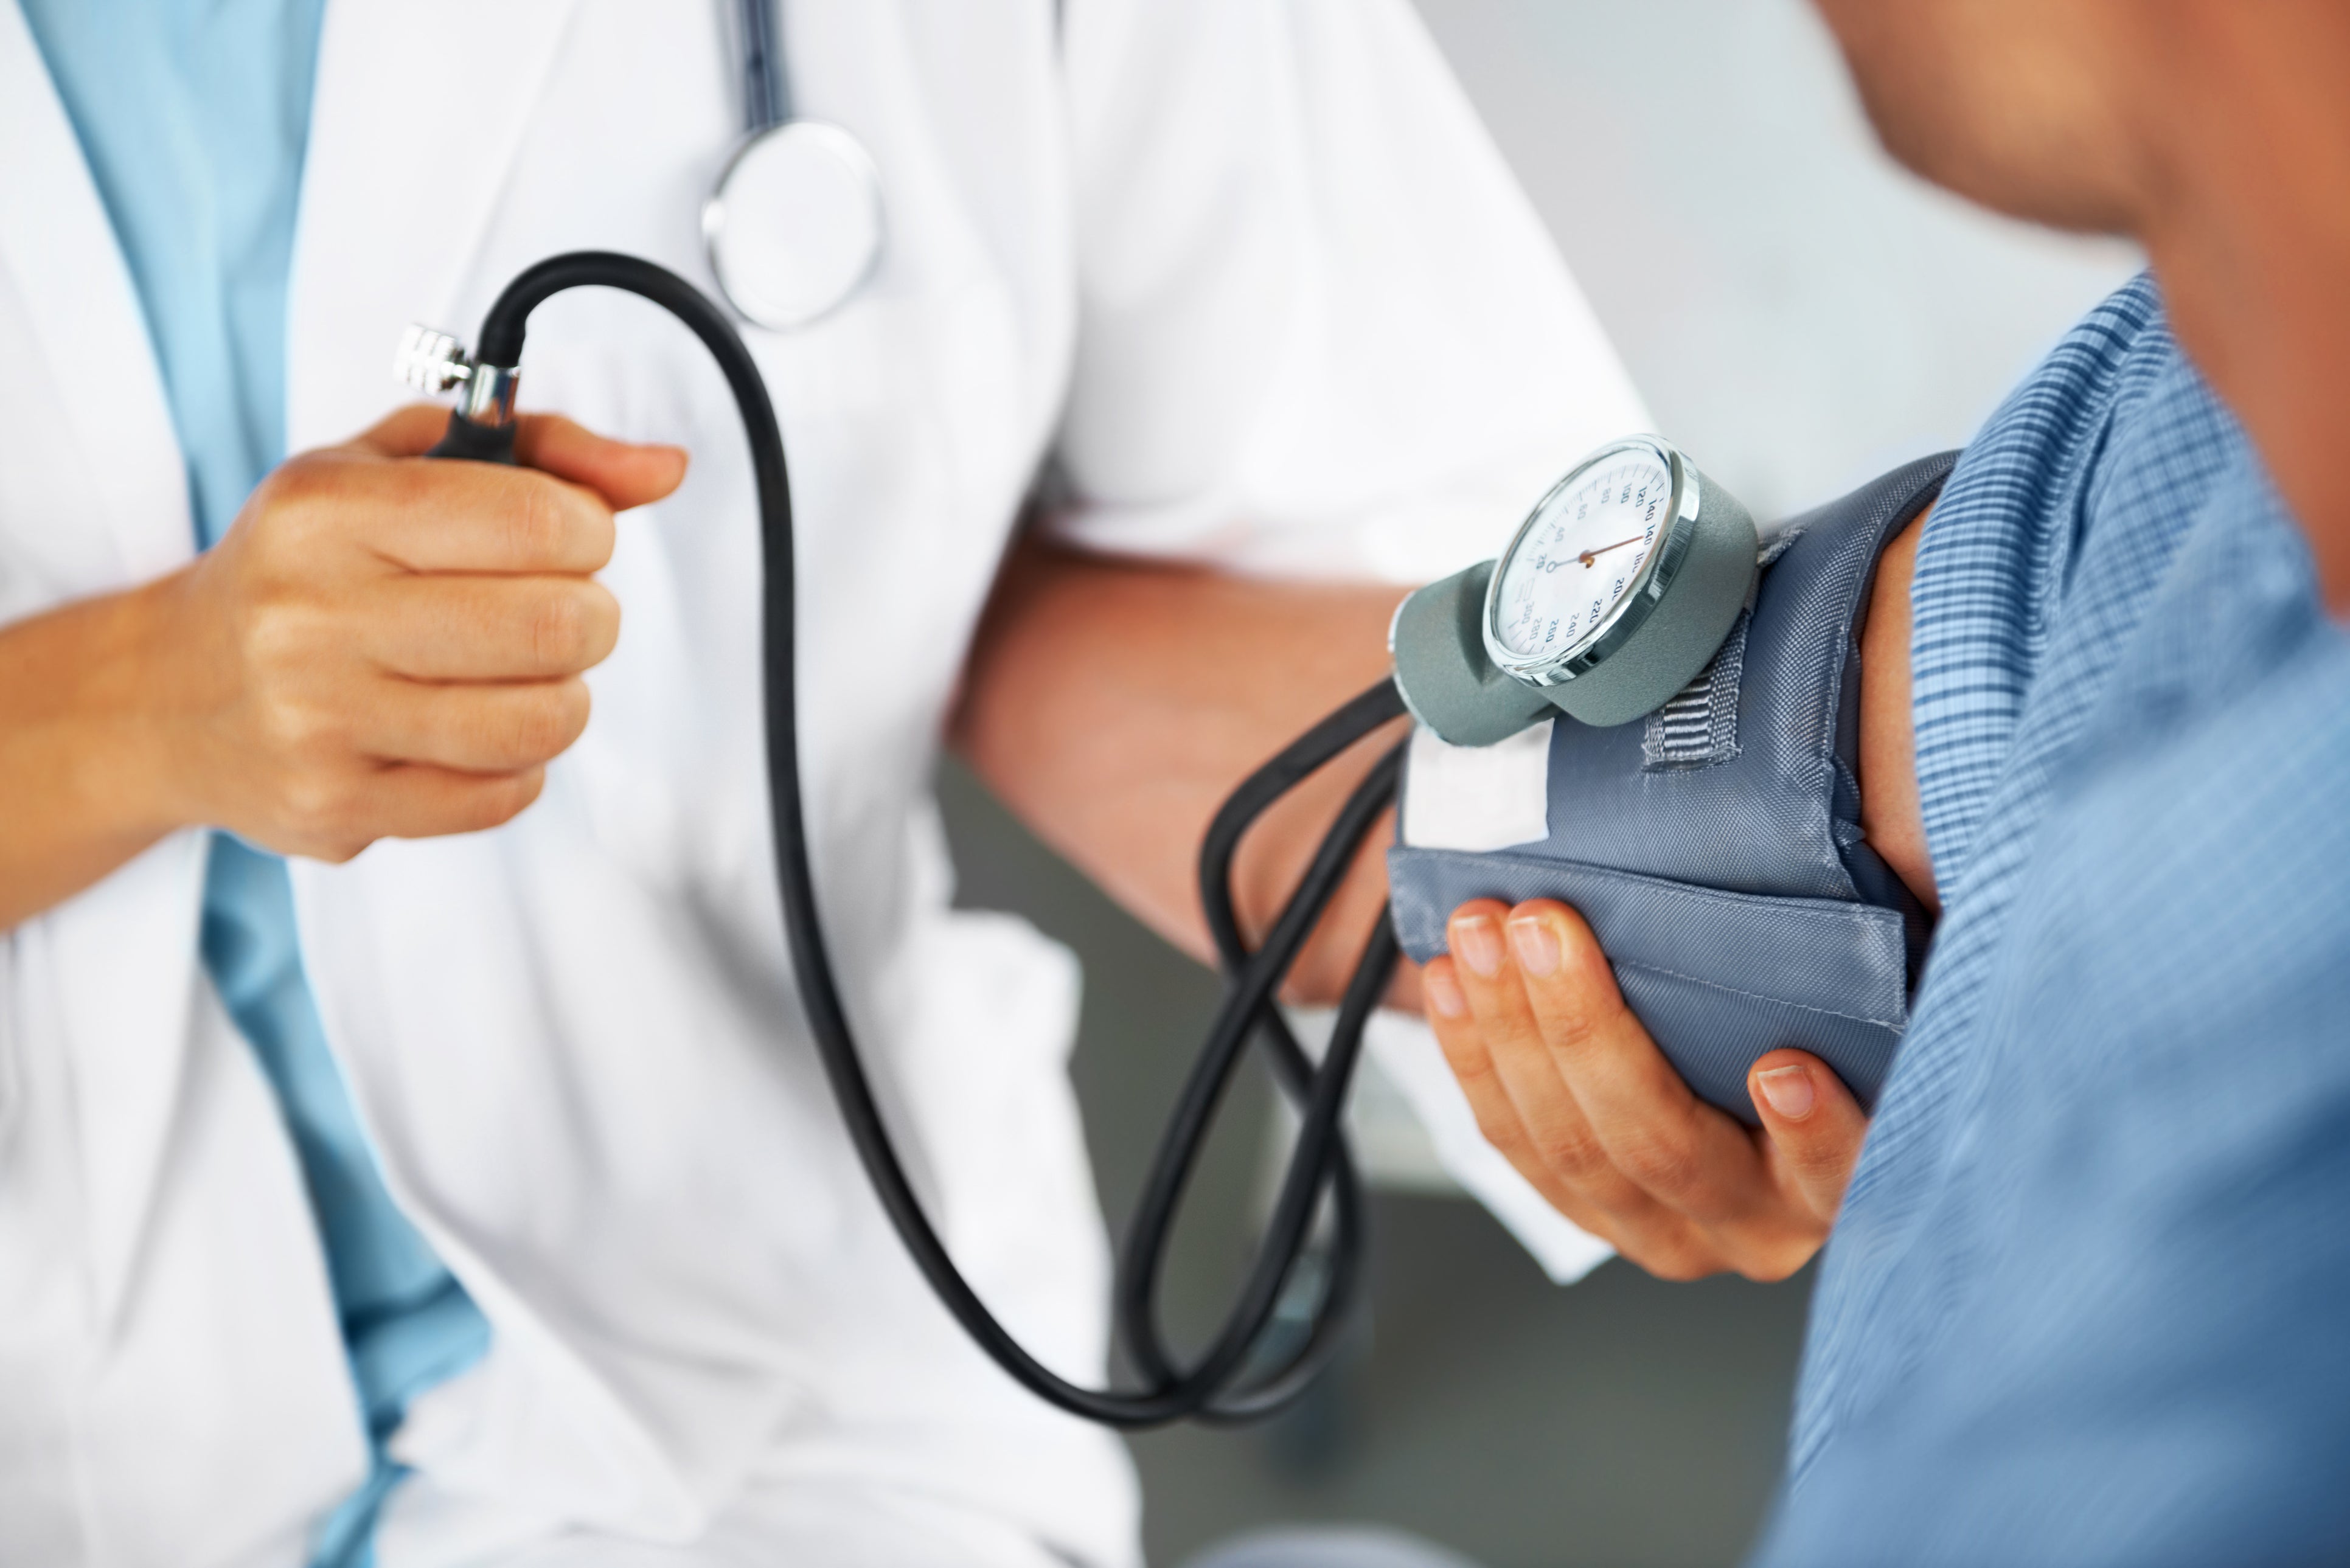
2089, 1298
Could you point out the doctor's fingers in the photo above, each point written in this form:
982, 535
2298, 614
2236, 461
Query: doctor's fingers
323, 511
625, 473
452, 626
404, 800
1688, 1156
1645, 1232
1812, 1128
481, 517
1462, 1041
1529, 1113
474, 729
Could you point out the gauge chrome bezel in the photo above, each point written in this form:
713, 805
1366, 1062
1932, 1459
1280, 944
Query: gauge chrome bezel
1649, 584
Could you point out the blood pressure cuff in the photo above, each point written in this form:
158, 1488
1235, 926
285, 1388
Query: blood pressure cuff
1714, 847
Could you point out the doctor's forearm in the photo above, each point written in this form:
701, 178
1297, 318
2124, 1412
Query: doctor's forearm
78, 765
1112, 706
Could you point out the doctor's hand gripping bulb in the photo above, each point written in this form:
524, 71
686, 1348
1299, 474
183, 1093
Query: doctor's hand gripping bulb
1252, 1367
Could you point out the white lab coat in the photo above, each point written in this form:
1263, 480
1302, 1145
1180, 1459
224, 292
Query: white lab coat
1249, 268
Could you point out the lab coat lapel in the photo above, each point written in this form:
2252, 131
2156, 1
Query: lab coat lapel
420, 108
128, 1040
58, 249
410, 140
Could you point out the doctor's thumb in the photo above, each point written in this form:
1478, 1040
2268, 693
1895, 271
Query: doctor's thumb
1813, 1125
623, 473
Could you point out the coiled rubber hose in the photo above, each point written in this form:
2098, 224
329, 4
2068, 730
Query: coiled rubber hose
1241, 1375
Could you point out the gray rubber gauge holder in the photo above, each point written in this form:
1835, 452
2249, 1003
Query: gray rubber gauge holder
1450, 663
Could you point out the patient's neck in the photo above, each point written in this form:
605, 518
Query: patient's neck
2250, 231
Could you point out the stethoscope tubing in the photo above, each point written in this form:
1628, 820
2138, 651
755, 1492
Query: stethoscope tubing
766, 82
1220, 1384
794, 223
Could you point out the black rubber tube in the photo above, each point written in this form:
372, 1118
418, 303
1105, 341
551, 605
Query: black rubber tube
1249, 998
1219, 1386
1292, 1069
1315, 1164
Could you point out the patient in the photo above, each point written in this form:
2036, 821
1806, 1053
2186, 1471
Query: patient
2084, 1302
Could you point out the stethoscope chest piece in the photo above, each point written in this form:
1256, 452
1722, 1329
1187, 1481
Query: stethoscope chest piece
794, 225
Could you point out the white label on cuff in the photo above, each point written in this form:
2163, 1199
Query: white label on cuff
1477, 797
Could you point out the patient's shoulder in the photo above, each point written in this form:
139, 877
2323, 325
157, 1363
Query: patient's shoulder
2114, 432
2026, 480
2078, 489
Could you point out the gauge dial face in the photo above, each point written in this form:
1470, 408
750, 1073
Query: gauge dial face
1581, 553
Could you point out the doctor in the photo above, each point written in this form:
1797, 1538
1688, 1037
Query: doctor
461, 1188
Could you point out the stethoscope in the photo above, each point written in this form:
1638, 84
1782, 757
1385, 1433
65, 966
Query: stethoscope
794, 227
792, 224
1288, 1319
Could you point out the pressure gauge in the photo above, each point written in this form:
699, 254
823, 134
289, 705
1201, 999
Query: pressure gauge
1613, 594
1581, 564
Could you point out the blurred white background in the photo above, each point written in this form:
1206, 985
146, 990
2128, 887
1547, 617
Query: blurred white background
1800, 312
1800, 315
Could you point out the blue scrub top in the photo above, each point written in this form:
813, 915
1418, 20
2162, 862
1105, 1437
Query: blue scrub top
194, 116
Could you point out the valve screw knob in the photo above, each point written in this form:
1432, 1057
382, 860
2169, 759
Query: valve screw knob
432, 362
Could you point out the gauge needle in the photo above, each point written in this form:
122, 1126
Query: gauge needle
1589, 556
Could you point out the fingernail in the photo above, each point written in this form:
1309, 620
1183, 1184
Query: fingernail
1444, 993
1476, 943
1789, 1090
1537, 949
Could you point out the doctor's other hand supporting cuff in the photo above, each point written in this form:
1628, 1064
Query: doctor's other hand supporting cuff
1716, 850
1569, 1087
1716, 845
